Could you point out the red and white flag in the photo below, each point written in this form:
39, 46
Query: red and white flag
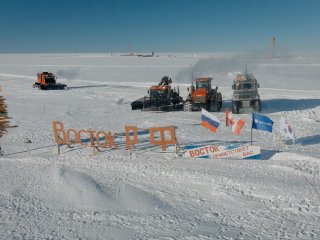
236, 122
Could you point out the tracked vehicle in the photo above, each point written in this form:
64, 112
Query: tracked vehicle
160, 98
202, 95
47, 81
245, 93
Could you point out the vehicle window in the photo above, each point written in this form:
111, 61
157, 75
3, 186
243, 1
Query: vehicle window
247, 86
244, 86
50, 80
202, 85
157, 94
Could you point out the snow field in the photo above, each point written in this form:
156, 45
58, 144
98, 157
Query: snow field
152, 195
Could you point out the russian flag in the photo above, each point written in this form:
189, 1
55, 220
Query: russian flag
209, 121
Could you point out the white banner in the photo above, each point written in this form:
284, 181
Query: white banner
232, 152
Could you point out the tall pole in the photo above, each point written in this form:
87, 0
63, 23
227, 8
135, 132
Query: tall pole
251, 126
192, 76
251, 134
273, 42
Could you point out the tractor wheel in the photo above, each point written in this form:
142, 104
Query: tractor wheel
214, 106
235, 107
219, 104
187, 106
257, 106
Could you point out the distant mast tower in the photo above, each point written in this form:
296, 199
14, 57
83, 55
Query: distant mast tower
273, 42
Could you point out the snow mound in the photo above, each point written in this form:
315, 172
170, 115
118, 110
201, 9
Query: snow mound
79, 190
293, 156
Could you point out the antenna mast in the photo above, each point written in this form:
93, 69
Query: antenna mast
273, 43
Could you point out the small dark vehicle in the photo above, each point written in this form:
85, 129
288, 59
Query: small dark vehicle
161, 98
245, 93
47, 81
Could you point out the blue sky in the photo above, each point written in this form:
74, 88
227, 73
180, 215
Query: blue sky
31, 26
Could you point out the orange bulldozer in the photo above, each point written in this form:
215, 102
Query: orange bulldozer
47, 81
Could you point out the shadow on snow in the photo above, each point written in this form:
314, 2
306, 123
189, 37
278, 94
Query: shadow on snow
279, 105
309, 140
88, 86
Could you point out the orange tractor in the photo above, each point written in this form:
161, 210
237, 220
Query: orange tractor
47, 81
203, 96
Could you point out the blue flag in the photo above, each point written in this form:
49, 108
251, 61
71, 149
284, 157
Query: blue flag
261, 122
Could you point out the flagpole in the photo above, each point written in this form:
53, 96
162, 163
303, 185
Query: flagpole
279, 139
251, 135
251, 127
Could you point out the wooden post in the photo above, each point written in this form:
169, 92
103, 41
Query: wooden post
131, 149
95, 150
177, 145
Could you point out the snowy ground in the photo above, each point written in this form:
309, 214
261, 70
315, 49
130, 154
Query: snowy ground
154, 195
